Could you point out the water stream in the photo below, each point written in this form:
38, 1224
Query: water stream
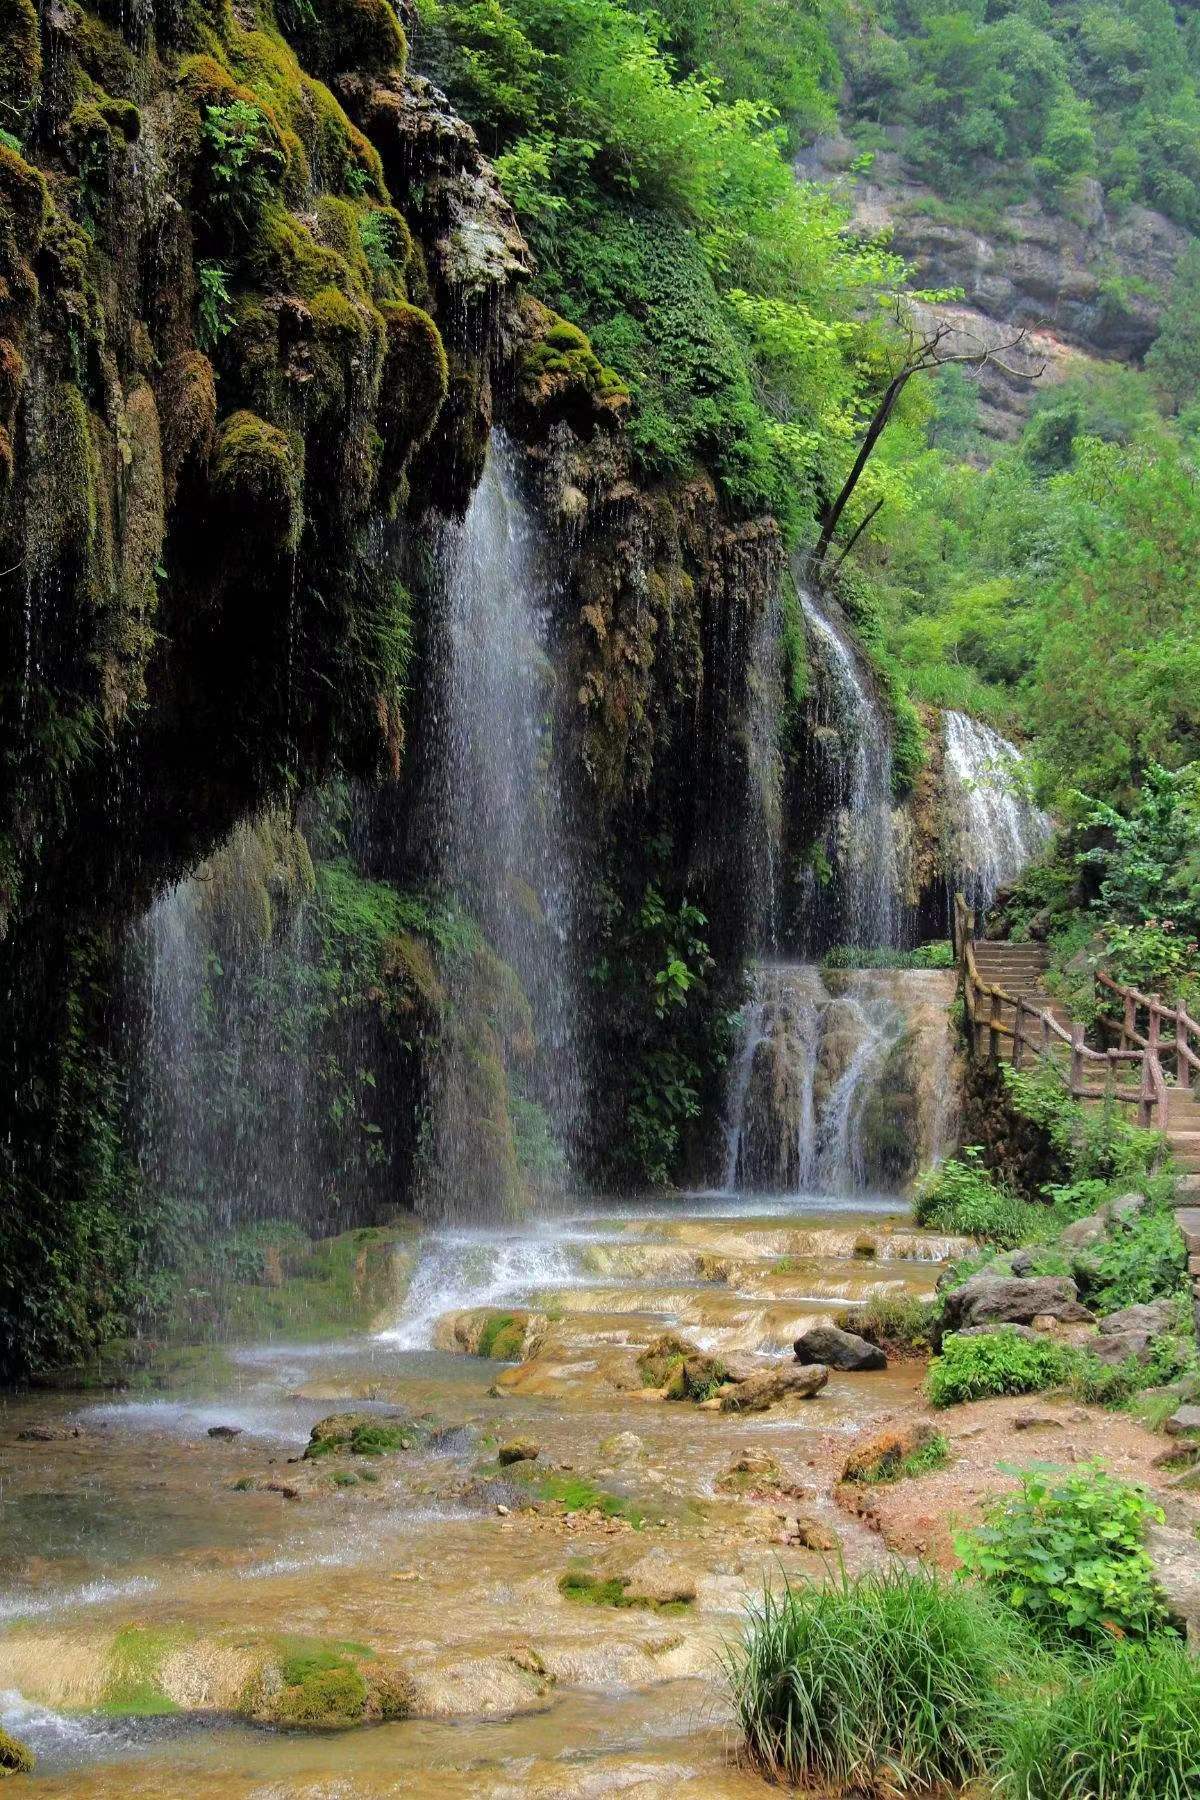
501, 811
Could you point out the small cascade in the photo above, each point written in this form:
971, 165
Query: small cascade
500, 809
994, 827
843, 1082
861, 841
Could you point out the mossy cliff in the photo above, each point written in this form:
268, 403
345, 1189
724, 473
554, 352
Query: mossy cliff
253, 282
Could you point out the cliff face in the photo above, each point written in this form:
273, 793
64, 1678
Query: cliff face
261, 303
1084, 283
255, 282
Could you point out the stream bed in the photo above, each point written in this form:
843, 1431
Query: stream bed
123, 1522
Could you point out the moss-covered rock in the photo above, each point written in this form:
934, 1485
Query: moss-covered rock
254, 474
348, 34
15, 1759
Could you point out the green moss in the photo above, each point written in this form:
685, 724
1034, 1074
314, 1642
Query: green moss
15, 1759
337, 35
323, 1690
585, 1589
254, 473
133, 1682
413, 386
502, 1338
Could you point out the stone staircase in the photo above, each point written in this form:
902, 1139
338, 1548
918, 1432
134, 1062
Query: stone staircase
1019, 969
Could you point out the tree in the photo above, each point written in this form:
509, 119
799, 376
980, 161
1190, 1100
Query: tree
926, 348
1174, 357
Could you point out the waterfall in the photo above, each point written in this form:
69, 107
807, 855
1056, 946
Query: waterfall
861, 842
503, 849
843, 1079
219, 975
995, 828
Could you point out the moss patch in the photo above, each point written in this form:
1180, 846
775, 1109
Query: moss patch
586, 1589
15, 1759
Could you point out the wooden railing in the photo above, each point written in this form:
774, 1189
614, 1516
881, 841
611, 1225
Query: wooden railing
997, 1019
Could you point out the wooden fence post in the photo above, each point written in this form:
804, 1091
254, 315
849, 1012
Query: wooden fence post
1076, 1059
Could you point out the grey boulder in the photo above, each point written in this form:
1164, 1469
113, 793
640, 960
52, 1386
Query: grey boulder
988, 1300
838, 1349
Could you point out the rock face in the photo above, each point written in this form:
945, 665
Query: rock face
1092, 283
989, 1300
838, 1349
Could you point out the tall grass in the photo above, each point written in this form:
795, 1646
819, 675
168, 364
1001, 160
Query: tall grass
1128, 1729
886, 1683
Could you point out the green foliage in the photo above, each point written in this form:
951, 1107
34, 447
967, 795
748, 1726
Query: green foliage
901, 1324
1141, 1260
1066, 1552
1124, 1727
586, 1589
891, 1680
214, 308
999, 1362
962, 1195
939, 955
1174, 357
244, 161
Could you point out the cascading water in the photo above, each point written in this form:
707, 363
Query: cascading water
995, 828
860, 843
503, 854
843, 1079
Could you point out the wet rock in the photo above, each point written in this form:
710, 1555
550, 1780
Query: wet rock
880, 1455
48, 1434
1183, 1419
838, 1349
987, 1300
518, 1450
224, 1431
673, 1365
1133, 1330
809, 1533
1176, 1558
660, 1582
753, 1470
623, 1447
787, 1381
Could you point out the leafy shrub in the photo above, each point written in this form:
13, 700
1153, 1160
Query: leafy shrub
1066, 1552
1127, 1729
887, 1682
1000, 1362
1140, 1261
961, 1195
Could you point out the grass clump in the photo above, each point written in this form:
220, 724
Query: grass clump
1000, 1362
961, 1195
1127, 1728
885, 1683
900, 1324
1066, 1552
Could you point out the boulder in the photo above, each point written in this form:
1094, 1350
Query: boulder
786, 1381
1182, 1420
1176, 1558
673, 1364
838, 1349
1021, 1263
224, 1431
1085, 1232
623, 1447
659, 1582
1133, 1330
809, 1533
518, 1450
1007, 1300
